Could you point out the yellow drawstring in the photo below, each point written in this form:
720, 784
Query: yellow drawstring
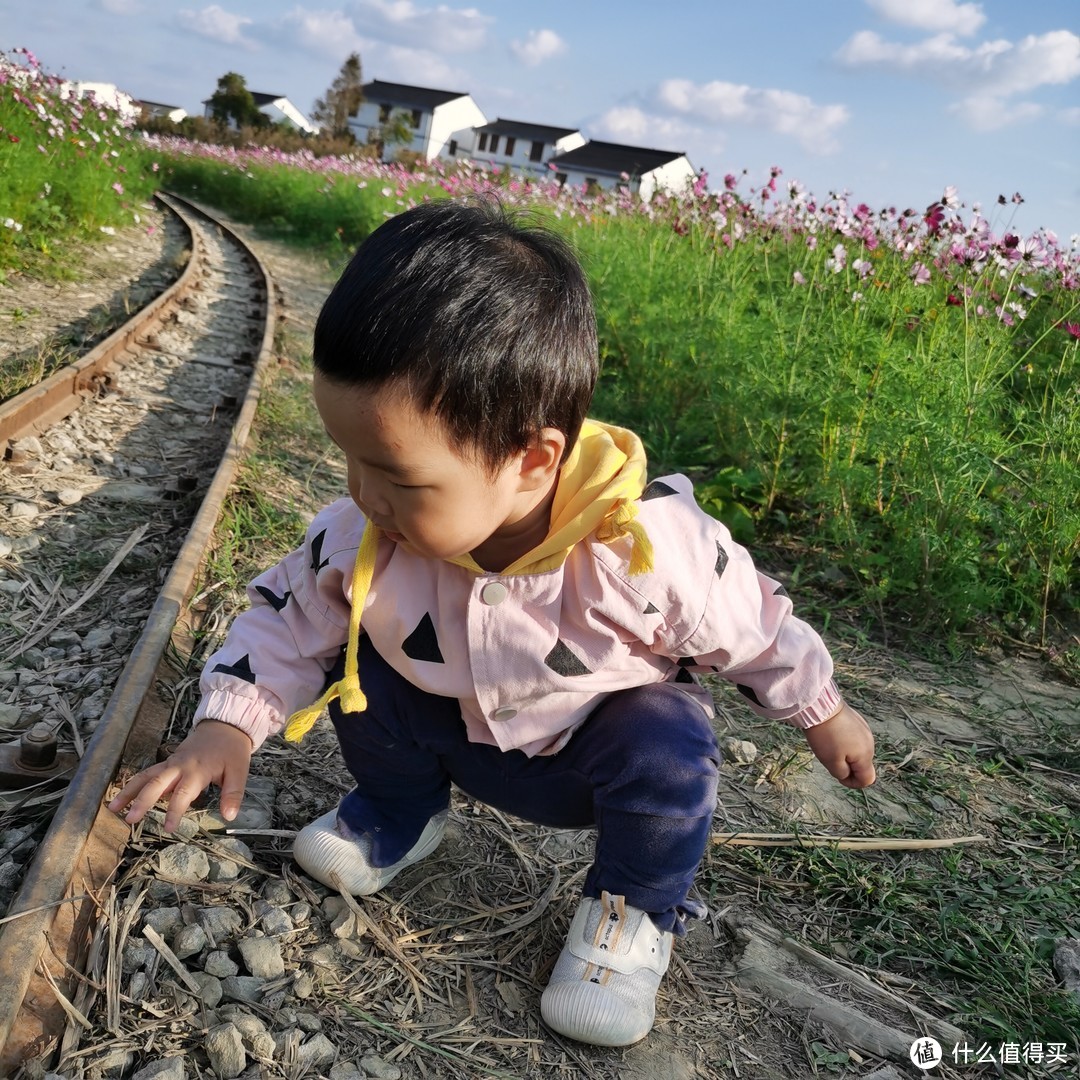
347, 688
621, 523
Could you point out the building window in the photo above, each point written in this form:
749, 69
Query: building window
452, 149
482, 144
494, 147
537, 151
416, 117
384, 113
510, 144
560, 178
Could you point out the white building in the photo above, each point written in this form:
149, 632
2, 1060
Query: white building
523, 147
277, 108
604, 165
104, 94
443, 121
157, 110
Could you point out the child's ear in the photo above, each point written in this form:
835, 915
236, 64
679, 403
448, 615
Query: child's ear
541, 461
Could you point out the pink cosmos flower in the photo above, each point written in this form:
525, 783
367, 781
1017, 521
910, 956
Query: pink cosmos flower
118, 188
798, 279
919, 274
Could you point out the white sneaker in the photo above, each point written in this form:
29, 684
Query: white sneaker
603, 988
326, 851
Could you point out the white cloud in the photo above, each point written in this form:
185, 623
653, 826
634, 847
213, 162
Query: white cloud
987, 75
216, 23
631, 124
441, 29
418, 67
327, 33
1070, 116
538, 46
946, 15
783, 111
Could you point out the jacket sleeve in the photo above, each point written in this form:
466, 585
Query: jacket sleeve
278, 652
724, 616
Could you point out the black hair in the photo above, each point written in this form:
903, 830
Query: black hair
485, 321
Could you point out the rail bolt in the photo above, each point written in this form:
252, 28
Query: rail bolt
37, 747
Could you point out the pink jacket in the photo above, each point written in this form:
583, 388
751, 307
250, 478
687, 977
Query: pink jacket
528, 656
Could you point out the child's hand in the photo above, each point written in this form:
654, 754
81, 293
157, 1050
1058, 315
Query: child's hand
845, 746
214, 753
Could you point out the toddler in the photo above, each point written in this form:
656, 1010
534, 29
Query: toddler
506, 603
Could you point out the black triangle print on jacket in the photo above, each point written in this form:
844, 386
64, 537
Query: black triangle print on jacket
275, 601
241, 669
317, 561
564, 662
423, 643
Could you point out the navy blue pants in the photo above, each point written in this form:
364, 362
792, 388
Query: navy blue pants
642, 769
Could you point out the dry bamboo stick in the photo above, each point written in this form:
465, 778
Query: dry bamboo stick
843, 843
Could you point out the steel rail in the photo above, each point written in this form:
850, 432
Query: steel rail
48, 879
46, 403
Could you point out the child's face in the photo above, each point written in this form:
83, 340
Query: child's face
408, 479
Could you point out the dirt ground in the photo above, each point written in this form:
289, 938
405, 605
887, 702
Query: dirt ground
507, 889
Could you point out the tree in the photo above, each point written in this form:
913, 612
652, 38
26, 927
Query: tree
232, 103
342, 100
395, 130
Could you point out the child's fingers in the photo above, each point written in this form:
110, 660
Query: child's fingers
142, 791
233, 783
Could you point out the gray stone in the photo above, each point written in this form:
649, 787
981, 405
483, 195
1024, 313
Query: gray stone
225, 1049
262, 957
5, 547
30, 445
318, 1050
164, 891
248, 1025
136, 955
739, 751
373, 1065
345, 1070
220, 965
300, 914
168, 1069
154, 822
273, 1002
303, 985
262, 1046
98, 638
183, 863
210, 991
272, 919
308, 1022
25, 544
1067, 963
114, 1063
138, 984
165, 920
256, 808
242, 988
64, 638
23, 511
277, 892
222, 869
11, 716
220, 923
332, 907
69, 496
189, 941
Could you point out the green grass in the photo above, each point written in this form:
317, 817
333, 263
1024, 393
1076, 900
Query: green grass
67, 171
973, 927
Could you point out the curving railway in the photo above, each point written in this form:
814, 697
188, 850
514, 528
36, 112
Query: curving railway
113, 472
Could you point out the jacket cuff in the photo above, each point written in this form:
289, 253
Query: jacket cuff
827, 704
251, 717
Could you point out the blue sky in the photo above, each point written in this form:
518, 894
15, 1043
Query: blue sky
889, 99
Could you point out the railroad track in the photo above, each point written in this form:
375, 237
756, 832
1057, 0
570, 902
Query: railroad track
113, 475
